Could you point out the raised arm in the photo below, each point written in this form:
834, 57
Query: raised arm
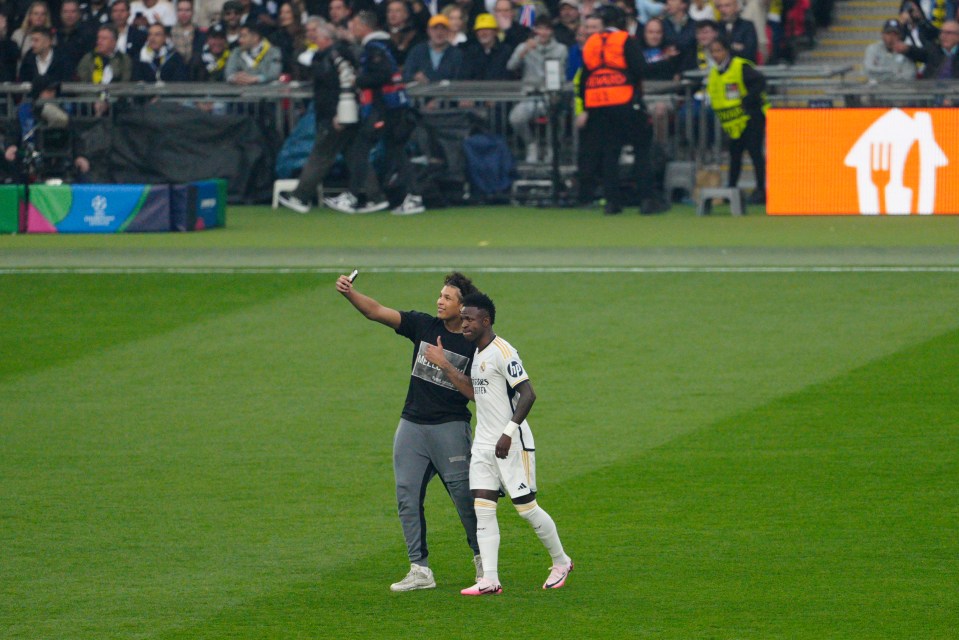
366, 305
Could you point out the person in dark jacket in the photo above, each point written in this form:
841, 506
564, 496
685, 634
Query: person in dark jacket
74, 37
436, 59
385, 115
9, 54
159, 61
939, 58
43, 59
741, 33
485, 57
334, 72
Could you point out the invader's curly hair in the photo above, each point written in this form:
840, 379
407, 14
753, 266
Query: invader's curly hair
461, 282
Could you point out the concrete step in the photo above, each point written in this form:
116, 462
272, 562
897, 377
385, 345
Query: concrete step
864, 18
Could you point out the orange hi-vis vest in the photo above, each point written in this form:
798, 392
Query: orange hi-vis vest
604, 57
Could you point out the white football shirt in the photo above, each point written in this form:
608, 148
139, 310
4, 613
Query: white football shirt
496, 371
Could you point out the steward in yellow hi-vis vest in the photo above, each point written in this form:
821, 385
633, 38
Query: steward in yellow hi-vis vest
611, 89
728, 95
736, 93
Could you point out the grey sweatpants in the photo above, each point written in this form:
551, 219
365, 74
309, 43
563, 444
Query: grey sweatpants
421, 451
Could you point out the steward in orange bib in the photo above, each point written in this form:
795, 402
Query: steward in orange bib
611, 89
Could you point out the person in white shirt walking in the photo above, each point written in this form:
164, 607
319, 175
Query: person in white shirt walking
503, 453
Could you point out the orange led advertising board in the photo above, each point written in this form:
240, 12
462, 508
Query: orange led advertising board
862, 161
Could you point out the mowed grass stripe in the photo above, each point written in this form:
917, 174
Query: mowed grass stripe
826, 513
208, 468
55, 318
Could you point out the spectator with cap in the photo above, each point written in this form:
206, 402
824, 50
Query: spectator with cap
436, 59
159, 62
530, 60
210, 65
485, 57
43, 60
256, 61
566, 25
403, 33
883, 62
939, 59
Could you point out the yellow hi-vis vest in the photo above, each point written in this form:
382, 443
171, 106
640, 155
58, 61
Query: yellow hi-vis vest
726, 92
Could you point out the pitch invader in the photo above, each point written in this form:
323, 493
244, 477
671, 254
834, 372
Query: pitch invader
503, 453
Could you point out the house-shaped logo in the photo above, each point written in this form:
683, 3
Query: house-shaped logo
879, 157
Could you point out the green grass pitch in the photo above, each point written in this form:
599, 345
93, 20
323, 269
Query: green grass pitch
746, 428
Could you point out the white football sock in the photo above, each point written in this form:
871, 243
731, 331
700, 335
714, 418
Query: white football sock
545, 528
487, 536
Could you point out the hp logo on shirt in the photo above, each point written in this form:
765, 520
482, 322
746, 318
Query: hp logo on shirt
515, 369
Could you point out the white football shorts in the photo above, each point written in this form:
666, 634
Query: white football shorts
516, 475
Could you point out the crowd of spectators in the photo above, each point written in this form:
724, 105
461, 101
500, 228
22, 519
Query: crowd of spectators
921, 43
432, 40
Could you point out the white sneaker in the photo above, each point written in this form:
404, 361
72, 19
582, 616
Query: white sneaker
478, 561
344, 203
373, 206
418, 578
290, 201
411, 205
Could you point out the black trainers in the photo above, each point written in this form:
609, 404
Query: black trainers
758, 197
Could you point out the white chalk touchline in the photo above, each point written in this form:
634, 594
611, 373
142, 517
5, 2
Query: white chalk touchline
331, 270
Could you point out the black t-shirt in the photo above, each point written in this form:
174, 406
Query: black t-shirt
432, 398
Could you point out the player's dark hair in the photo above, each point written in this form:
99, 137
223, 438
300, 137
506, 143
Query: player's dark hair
461, 282
481, 301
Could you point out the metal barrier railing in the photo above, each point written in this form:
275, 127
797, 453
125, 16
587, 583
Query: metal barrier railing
688, 131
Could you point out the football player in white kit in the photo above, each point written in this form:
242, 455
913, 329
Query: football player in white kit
503, 453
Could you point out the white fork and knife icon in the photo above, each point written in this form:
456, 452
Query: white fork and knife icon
888, 162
